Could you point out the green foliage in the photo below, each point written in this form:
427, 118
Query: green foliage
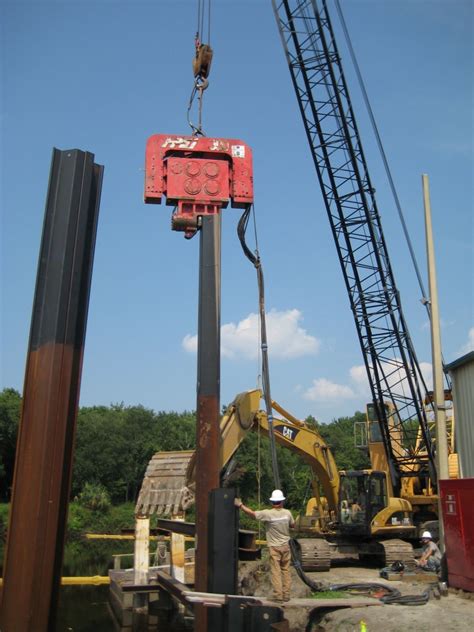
93, 557
4, 510
410, 433
330, 594
10, 406
82, 519
339, 435
95, 497
115, 443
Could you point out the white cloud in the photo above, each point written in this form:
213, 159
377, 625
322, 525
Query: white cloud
358, 375
469, 346
395, 376
286, 338
189, 343
324, 390
444, 324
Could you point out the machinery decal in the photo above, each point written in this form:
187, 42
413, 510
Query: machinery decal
180, 143
219, 145
286, 431
238, 151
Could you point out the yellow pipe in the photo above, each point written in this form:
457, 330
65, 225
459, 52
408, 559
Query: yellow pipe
96, 580
102, 536
105, 536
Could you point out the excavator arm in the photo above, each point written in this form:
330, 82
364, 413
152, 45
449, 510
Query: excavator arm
170, 477
244, 414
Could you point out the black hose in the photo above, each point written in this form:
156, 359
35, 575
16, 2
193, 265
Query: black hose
295, 558
255, 259
394, 596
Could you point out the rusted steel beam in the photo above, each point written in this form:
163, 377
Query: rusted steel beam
41, 484
208, 386
174, 526
173, 586
208, 395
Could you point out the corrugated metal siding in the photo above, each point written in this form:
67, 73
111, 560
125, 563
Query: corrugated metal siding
463, 396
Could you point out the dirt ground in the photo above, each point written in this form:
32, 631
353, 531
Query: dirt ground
451, 613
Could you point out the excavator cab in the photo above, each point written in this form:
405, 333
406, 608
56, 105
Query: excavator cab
362, 495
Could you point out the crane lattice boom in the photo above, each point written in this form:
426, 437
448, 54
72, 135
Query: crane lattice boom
390, 360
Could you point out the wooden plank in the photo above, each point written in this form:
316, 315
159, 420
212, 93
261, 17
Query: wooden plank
421, 577
356, 602
141, 556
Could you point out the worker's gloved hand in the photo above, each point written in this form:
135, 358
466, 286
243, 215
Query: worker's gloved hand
238, 502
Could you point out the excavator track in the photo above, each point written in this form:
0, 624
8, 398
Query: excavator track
398, 551
315, 554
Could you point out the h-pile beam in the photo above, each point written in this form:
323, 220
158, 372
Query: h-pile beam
42, 477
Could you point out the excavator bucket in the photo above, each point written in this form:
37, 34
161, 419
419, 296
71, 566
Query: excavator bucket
165, 489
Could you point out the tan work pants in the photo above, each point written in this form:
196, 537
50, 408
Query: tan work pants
280, 558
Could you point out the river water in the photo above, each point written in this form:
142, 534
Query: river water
86, 608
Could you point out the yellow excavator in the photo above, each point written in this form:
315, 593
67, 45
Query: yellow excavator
351, 512
417, 490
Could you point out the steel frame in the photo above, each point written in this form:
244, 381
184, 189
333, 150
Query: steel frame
390, 360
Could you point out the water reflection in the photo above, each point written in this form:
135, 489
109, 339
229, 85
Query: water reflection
87, 608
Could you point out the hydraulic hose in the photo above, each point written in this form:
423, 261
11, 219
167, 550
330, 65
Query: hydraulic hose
255, 259
394, 596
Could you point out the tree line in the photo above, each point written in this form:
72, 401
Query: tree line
115, 443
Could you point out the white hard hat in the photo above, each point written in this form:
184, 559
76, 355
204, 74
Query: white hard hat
426, 535
277, 496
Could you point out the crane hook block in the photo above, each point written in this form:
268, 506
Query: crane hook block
198, 175
202, 61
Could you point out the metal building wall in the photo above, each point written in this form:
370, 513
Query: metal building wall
462, 374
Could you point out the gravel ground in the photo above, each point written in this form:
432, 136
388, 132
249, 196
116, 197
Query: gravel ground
451, 613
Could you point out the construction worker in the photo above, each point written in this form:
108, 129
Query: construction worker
430, 559
278, 522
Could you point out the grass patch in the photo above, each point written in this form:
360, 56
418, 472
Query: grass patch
329, 594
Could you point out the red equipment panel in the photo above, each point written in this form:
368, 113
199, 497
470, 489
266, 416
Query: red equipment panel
198, 175
200, 180
457, 498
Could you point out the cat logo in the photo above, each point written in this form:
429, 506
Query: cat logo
287, 432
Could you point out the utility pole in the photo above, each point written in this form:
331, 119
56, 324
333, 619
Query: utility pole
438, 388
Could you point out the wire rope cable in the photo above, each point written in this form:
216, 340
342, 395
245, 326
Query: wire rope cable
424, 300
201, 63
382, 150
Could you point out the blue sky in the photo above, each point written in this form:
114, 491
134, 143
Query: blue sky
102, 76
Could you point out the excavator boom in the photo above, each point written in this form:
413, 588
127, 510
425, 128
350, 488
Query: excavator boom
170, 476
